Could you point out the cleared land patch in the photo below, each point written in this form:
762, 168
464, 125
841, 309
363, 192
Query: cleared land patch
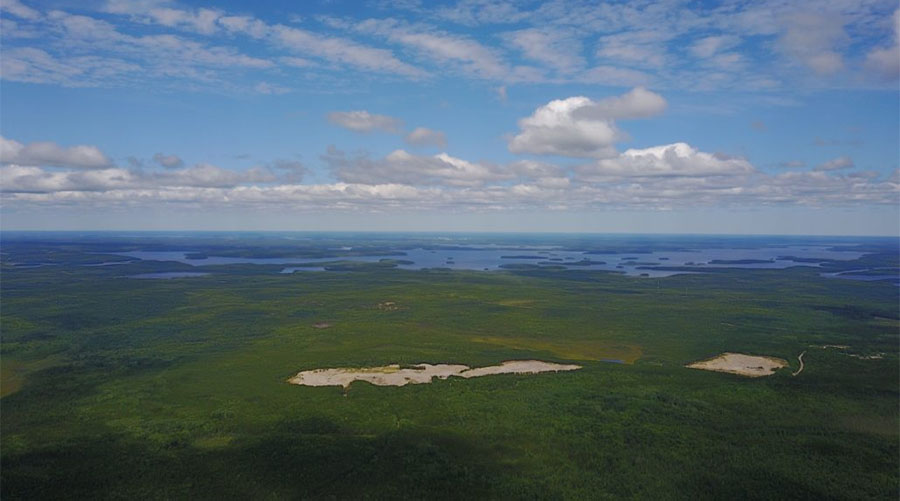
393, 375
741, 364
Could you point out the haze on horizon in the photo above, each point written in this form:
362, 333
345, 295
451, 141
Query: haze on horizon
561, 116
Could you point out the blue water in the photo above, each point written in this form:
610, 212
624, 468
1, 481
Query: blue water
490, 259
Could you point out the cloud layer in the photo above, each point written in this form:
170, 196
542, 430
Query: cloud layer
768, 44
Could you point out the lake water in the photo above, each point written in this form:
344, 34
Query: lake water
490, 259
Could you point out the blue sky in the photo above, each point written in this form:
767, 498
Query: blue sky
672, 116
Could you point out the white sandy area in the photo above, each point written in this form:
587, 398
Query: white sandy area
393, 375
744, 365
519, 367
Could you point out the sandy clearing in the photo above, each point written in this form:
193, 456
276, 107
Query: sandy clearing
393, 375
800, 359
518, 367
843, 347
741, 364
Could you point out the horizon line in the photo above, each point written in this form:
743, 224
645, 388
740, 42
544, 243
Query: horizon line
463, 232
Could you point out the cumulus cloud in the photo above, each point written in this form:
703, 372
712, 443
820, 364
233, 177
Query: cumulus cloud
842, 162
421, 136
580, 127
48, 153
168, 161
671, 160
637, 103
363, 121
554, 130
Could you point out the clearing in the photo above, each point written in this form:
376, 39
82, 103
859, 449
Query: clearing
741, 364
393, 375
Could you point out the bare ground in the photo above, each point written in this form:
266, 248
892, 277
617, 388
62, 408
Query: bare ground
393, 375
741, 364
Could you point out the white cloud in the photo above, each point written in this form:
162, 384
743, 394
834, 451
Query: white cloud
201, 20
635, 48
92, 52
400, 167
554, 130
244, 24
671, 160
297, 62
813, 38
16, 8
611, 75
468, 56
710, 46
884, 62
168, 161
581, 127
665, 176
363, 121
501, 93
637, 103
117, 187
421, 136
343, 51
303, 42
48, 153
269, 88
843, 162
24, 179
474, 12
553, 48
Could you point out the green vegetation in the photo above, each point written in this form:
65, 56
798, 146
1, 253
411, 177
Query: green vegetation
121, 388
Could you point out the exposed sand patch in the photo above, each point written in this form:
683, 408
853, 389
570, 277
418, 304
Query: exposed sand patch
518, 367
800, 359
321, 325
393, 375
738, 363
843, 347
876, 356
